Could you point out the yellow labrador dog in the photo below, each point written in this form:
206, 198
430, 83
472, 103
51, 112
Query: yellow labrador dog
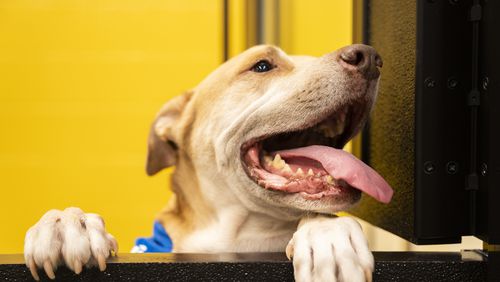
257, 147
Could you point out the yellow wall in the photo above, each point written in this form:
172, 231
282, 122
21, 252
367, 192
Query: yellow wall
315, 27
80, 82
308, 27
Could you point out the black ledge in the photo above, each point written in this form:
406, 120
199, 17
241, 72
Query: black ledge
390, 266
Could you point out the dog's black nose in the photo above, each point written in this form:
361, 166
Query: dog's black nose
363, 58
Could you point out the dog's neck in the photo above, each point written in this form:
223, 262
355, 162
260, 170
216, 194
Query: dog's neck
199, 223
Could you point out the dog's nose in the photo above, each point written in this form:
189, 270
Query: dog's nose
363, 58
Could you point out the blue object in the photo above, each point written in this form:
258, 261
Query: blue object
160, 242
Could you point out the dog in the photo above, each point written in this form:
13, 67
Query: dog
257, 147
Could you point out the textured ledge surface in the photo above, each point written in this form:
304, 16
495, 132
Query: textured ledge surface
390, 266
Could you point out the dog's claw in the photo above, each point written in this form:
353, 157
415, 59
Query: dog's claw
32, 267
101, 260
113, 243
47, 266
289, 251
78, 266
368, 275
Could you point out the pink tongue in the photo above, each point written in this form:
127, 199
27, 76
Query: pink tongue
343, 165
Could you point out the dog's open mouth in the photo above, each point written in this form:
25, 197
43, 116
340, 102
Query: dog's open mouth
311, 161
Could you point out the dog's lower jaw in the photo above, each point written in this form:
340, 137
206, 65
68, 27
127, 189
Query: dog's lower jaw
252, 196
199, 219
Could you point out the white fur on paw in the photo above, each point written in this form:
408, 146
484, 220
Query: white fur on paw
330, 249
68, 237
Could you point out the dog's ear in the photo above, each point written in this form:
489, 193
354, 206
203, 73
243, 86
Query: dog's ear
162, 150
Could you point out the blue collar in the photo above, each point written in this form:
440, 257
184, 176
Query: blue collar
160, 242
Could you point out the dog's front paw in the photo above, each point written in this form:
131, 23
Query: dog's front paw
330, 249
69, 237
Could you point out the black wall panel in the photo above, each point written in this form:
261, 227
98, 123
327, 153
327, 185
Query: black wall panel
421, 135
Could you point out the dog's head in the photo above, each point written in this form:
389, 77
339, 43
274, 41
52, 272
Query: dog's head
269, 128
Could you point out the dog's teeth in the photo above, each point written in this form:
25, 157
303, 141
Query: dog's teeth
278, 162
300, 172
329, 179
277, 158
310, 172
268, 160
318, 175
287, 168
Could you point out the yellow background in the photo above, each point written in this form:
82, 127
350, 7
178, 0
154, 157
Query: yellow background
81, 80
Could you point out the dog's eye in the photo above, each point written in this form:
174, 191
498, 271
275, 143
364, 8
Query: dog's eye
262, 66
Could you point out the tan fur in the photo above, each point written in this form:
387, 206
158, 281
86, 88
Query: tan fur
214, 112
216, 206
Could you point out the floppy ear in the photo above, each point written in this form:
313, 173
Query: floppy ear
162, 150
